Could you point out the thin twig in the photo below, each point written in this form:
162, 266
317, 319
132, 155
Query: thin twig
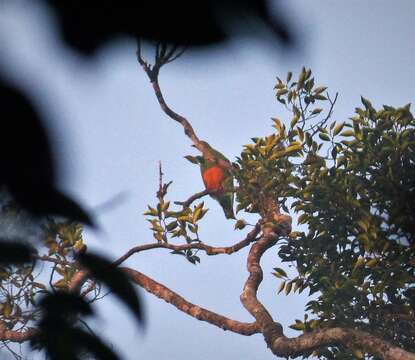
84, 323
209, 250
52, 260
315, 127
194, 197
90, 287
51, 278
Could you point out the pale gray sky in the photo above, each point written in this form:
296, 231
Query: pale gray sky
113, 133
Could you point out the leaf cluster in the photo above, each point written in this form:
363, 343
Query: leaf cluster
353, 189
183, 223
30, 297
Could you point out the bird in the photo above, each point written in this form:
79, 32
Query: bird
217, 178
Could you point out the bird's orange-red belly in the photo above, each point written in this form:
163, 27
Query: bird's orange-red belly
213, 178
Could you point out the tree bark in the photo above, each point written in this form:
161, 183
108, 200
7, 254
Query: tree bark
185, 306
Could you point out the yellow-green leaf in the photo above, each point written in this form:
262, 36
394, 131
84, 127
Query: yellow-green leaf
297, 326
316, 111
280, 272
372, 263
288, 287
338, 128
347, 133
281, 92
281, 288
240, 224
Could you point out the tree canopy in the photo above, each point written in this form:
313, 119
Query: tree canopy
349, 185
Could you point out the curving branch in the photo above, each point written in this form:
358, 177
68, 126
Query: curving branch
163, 56
350, 338
80, 277
272, 331
192, 198
183, 305
269, 328
18, 336
209, 250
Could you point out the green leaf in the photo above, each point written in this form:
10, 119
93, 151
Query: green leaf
364, 224
347, 133
293, 147
302, 77
60, 284
294, 120
193, 228
309, 84
299, 325
151, 211
281, 92
281, 288
280, 272
7, 309
171, 226
324, 137
240, 224
288, 287
359, 263
372, 263
318, 90
308, 139
316, 111
366, 103
359, 354
338, 128
39, 285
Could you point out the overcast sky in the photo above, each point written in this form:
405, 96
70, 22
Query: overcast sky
112, 133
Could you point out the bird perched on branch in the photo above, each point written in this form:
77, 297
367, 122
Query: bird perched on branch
216, 175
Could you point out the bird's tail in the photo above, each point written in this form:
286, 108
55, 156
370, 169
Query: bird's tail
226, 201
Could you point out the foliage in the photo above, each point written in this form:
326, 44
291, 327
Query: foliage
168, 224
350, 182
354, 190
31, 297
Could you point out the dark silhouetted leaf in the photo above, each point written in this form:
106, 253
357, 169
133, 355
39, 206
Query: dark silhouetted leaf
61, 303
87, 27
92, 345
27, 162
15, 253
103, 270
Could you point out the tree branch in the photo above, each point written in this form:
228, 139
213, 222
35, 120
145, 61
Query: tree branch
350, 338
315, 127
183, 305
209, 250
164, 56
81, 276
194, 197
269, 327
18, 336
272, 331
